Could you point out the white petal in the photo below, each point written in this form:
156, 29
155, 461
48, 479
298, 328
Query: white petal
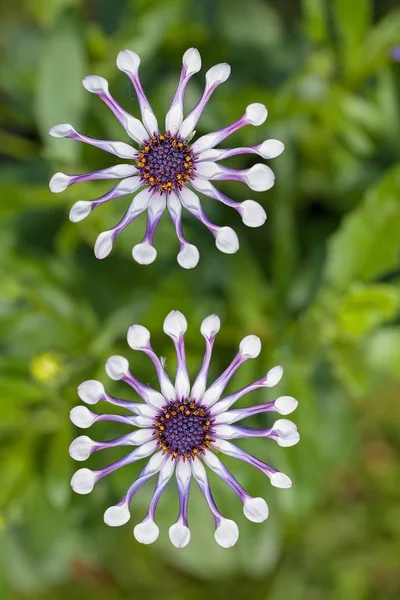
59, 182
146, 449
208, 169
128, 62
284, 427
156, 461
81, 448
210, 154
138, 337
250, 346
183, 472
104, 244
141, 436
95, 84
81, 417
123, 150
175, 324
256, 509
224, 431
280, 480
225, 418
192, 61
146, 532
188, 257
274, 376
286, 404
182, 385
144, 422
135, 129
80, 211
260, 178
204, 143
256, 113
62, 130
115, 516
145, 411
253, 214
210, 326
271, 148
91, 391
198, 470
154, 398
129, 184
218, 74
122, 171
83, 481
226, 240
174, 118
179, 535
144, 254
117, 367
211, 395
287, 442
149, 120
287, 432
140, 202
226, 535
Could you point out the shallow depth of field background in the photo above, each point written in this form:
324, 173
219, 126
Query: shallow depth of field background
319, 283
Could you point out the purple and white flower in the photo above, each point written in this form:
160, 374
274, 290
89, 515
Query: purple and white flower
182, 429
167, 166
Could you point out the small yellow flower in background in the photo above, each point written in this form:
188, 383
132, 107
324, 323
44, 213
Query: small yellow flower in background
46, 367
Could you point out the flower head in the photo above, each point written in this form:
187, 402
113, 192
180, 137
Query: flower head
181, 429
167, 166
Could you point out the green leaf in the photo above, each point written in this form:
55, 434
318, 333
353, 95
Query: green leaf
316, 19
367, 244
47, 11
352, 20
365, 307
60, 96
349, 363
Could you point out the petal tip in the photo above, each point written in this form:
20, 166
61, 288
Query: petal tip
80, 211
179, 535
62, 130
138, 337
144, 253
227, 533
115, 516
95, 84
192, 61
117, 367
146, 532
256, 113
104, 244
128, 61
83, 481
91, 391
188, 257
227, 240
253, 214
59, 182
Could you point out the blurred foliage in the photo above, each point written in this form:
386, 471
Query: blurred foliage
319, 283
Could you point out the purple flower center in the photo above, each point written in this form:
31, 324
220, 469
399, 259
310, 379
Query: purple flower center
165, 163
183, 429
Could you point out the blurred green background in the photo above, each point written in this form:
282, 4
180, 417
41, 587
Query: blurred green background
319, 283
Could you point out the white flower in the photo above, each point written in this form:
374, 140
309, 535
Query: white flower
168, 165
180, 428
